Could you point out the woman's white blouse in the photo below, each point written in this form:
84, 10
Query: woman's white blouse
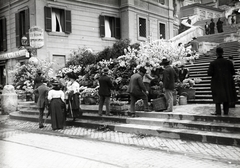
55, 94
73, 87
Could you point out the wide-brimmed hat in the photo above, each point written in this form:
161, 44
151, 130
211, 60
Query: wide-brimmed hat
59, 75
142, 69
165, 61
39, 71
105, 70
44, 80
181, 66
72, 76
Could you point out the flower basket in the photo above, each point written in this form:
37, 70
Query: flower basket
29, 97
159, 104
117, 106
89, 100
139, 106
21, 95
190, 93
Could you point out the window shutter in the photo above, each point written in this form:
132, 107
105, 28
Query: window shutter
117, 28
102, 26
48, 19
68, 22
17, 30
27, 23
4, 25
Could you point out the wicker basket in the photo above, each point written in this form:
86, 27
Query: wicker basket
118, 107
159, 104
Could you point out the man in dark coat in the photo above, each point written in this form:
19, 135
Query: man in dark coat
137, 90
219, 26
222, 84
212, 27
105, 86
169, 79
42, 102
195, 45
37, 82
183, 73
207, 29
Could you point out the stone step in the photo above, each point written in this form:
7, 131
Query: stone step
183, 134
187, 124
161, 131
92, 114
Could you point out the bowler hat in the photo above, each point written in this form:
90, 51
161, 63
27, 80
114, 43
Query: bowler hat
165, 61
72, 76
142, 69
105, 70
44, 80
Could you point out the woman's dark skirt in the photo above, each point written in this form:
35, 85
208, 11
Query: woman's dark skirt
57, 111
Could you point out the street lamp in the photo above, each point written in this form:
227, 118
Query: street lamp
25, 45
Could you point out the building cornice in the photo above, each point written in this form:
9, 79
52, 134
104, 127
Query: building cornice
202, 6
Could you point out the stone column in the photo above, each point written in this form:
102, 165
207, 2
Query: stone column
9, 100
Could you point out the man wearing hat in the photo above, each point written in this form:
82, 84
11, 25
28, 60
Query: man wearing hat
195, 45
73, 96
105, 86
169, 79
42, 102
223, 89
37, 82
183, 73
137, 90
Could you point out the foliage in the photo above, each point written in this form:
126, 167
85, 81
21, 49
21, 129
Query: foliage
24, 74
189, 83
81, 56
237, 76
115, 51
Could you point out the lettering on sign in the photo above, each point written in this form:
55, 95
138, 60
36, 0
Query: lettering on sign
36, 37
15, 54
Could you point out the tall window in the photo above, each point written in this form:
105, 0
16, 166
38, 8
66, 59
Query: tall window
3, 34
57, 20
110, 27
162, 30
142, 27
22, 25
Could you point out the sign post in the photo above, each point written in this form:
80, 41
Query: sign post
36, 39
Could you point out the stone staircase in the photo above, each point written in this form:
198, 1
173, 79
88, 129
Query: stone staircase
185, 123
200, 66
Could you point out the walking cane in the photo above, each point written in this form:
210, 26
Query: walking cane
70, 106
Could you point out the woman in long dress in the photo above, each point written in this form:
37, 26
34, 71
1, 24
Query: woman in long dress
57, 106
73, 97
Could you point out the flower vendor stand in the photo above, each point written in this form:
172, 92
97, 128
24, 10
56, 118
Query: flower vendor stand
29, 96
21, 94
89, 96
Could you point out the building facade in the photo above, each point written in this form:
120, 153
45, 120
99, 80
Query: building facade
70, 24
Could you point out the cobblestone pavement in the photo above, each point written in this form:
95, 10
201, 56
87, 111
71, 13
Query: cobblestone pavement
80, 147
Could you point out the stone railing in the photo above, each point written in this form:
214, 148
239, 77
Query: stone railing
204, 47
186, 36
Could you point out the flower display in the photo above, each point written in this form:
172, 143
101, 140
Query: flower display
25, 74
189, 83
237, 77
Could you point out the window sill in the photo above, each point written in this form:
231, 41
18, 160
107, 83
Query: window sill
61, 34
109, 39
142, 38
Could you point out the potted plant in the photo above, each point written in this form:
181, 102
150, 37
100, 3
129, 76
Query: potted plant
186, 87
